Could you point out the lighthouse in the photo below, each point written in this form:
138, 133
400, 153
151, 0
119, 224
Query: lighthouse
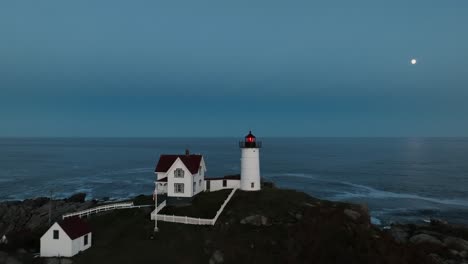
250, 163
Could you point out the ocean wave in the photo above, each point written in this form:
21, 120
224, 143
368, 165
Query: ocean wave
124, 172
369, 192
294, 175
363, 191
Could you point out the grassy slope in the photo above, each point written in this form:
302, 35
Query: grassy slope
204, 205
304, 230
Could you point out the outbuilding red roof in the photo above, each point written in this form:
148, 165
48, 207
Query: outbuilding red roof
192, 162
75, 227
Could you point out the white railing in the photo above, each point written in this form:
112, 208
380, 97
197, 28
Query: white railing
184, 220
159, 208
102, 208
192, 220
224, 205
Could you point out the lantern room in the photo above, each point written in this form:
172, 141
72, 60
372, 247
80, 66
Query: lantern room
250, 141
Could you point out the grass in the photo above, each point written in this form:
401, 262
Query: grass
323, 235
123, 236
204, 205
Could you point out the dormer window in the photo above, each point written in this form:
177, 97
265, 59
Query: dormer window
179, 173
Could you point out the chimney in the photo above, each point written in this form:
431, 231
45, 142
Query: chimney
187, 152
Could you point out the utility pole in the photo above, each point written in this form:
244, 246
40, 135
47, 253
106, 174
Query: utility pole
155, 195
50, 205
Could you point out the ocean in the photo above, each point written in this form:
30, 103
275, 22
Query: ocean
400, 179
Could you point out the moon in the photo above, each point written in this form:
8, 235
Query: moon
414, 61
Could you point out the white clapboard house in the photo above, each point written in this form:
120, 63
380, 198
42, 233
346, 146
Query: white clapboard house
180, 176
66, 238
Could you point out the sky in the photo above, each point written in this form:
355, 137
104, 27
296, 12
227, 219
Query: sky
215, 68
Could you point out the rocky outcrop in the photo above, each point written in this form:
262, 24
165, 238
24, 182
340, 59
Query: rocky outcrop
425, 238
217, 257
442, 242
256, 220
456, 243
23, 221
400, 234
353, 215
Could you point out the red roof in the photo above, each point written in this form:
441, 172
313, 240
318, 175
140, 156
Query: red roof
75, 227
192, 162
162, 180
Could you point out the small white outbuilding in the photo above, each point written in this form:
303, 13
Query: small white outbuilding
66, 238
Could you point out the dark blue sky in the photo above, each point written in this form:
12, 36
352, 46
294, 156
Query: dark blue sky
219, 68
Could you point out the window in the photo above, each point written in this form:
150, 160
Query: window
251, 185
85, 240
200, 170
179, 173
56, 234
224, 183
194, 187
199, 183
178, 187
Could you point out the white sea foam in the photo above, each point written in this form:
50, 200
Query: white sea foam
294, 175
124, 172
369, 192
375, 221
363, 191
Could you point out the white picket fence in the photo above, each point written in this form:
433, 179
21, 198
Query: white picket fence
103, 208
159, 208
224, 205
193, 220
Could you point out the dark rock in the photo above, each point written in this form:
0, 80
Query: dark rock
431, 233
364, 208
217, 257
3, 239
353, 215
3, 256
12, 260
298, 216
77, 198
21, 251
399, 234
256, 220
51, 261
437, 222
456, 243
66, 261
437, 259
425, 238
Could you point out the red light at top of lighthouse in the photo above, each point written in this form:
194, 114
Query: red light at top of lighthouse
250, 138
250, 141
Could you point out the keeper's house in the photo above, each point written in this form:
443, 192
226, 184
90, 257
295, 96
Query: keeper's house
180, 176
66, 238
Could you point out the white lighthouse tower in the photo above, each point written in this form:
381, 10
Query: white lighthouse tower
250, 163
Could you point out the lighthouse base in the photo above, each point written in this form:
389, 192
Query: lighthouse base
250, 170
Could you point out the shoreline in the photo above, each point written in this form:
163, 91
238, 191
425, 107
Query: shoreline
24, 222
375, 219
